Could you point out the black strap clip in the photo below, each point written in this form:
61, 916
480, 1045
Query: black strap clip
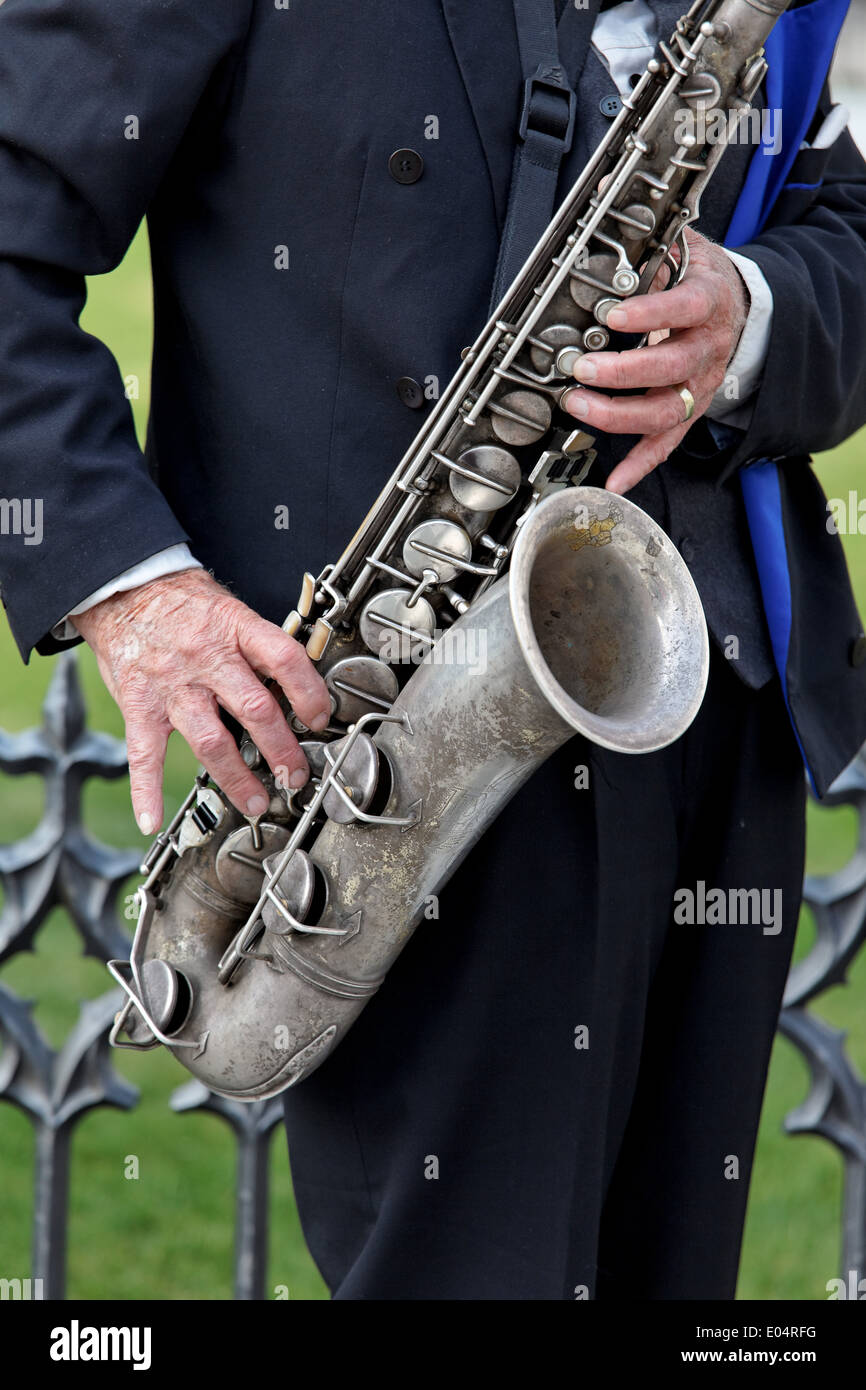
549, 107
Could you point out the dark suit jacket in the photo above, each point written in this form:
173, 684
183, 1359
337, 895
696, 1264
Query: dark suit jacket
262, 137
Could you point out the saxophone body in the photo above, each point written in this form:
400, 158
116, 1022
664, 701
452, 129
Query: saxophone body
488, 607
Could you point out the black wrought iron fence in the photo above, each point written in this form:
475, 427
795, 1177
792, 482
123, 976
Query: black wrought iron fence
59, 864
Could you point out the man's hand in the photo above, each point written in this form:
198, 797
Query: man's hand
699, 323
169, 651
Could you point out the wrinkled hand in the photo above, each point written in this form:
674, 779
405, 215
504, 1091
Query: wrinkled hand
696, 328
169, 651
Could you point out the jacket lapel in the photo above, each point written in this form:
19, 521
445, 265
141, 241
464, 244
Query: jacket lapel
484, 39
667, 12
575, 39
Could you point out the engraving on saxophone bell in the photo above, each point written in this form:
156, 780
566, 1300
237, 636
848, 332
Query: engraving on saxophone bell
485, 478
597, 532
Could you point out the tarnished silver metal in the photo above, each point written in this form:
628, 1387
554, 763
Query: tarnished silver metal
395, 621
361, 684
240, 859
294, 890
488, 607
444, 542
484, 478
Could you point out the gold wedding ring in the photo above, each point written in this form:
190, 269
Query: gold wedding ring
688, 401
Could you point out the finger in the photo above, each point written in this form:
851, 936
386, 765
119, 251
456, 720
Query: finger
146, 742
194, 714
670, 363
255, 708
687, 305
661, 279
643, 458
660, 409
267, 648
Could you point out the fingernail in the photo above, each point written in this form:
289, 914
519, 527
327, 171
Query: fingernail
257, 805
320, 722
617, 318
146, 824
586, 370
572, 403
298, 777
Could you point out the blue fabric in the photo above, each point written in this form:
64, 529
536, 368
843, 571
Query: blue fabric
762, 494
799, 52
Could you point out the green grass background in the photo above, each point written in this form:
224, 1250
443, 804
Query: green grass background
169, 1234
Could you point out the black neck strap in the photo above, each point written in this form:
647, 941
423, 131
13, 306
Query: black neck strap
545, 133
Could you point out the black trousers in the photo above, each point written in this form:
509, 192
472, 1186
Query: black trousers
556, 1093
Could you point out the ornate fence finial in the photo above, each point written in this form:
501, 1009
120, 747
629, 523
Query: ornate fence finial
59, 865
835, 1107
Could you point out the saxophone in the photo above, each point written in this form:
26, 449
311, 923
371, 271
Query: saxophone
488, 607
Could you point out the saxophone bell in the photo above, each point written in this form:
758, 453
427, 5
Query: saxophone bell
609, 620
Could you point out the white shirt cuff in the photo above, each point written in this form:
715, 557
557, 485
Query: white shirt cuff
733, 403
169, 561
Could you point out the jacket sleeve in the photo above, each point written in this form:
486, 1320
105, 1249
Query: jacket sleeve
813, 254
99, 97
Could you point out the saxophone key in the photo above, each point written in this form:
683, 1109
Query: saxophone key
167, 998
443, 542
292, 895
545, 349
314, 752
603, 308
239, 859
354, 785
457, 601
520, 417
360, 685
319, 638
484, 478
396, 629
595, 340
